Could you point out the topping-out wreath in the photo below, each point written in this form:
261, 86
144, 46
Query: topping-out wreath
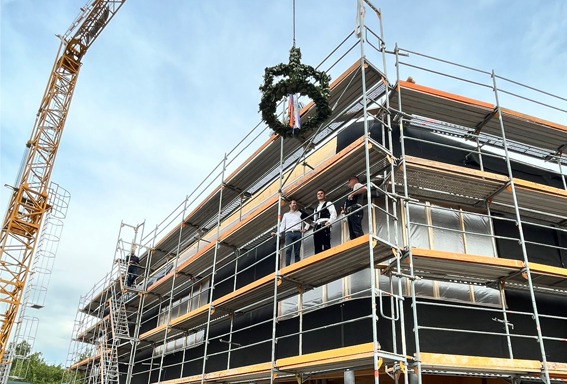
296, 78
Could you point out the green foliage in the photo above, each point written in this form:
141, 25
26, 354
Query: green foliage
295, 78
32, 368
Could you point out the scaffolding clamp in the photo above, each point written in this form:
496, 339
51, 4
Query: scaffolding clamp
507, 323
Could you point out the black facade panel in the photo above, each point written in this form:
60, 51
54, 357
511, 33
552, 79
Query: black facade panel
508, 246
256, 264
224, 280
454, 338
524, 324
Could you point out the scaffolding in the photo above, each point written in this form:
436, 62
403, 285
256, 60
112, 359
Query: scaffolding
460, 272
17, 359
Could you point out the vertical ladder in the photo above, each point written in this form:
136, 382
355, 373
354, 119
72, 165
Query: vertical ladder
109, 359
94, 375
116, 328
118, 317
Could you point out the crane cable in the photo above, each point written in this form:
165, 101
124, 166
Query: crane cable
293, 21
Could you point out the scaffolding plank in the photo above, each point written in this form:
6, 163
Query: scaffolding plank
241, 374
428, 102
83, 364
430, 179
530, 130
542, 201
545, 276
444, 182
342, 260
479, 364
357, 356
453, 266
93, 307
353, 357
168, 331
462, 267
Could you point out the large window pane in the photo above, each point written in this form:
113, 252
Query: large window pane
359, 283
312, 298
475, 227
419, 228
447, 234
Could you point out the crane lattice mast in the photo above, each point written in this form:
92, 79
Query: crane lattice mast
28, 202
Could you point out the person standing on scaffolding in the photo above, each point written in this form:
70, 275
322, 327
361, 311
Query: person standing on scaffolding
325, 213
133, 269
353, 209
292, 228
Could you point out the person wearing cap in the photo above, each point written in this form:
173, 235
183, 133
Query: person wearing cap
352, 207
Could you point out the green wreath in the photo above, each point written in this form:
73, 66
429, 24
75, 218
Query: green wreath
297, 78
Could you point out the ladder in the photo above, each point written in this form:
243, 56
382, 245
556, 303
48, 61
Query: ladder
118, 318
109, 371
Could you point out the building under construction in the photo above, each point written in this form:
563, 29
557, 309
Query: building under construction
460, 276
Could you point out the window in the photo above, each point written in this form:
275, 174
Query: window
451, 230
197, 296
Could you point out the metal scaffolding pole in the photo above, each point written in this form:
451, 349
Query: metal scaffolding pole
408, 237
396, 297
376, 359
521, 233
277, 268
168, 319
138, 322
213, 273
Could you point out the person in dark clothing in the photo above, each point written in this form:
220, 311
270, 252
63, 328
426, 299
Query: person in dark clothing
133, 268
351, 205
325, 214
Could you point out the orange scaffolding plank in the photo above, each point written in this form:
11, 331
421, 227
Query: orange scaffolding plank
479, 364
540, 198
445, 182
470, 113
83, 363
546, 276
314, 271
464, 267
490, 365
357, 356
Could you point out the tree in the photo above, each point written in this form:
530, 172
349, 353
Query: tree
32, 368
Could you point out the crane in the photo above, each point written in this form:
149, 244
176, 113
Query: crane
29, 199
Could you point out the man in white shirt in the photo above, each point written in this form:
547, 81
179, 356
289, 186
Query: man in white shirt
352, 208
292, 227
325, 214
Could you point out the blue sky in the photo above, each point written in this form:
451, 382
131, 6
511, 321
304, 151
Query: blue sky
170, 86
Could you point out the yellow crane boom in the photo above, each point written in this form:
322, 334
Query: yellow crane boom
28, 202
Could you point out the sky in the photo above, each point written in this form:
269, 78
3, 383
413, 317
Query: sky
170, 86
